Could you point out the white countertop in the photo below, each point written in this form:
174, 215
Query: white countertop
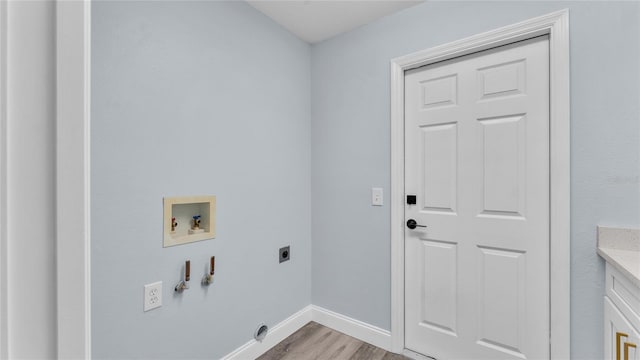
621, 248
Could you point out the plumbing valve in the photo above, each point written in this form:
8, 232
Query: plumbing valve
208, 278
184, 284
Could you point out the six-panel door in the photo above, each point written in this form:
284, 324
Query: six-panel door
477, 157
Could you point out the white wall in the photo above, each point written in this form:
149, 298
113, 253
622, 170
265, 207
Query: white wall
351, 146
31, 281
196, 98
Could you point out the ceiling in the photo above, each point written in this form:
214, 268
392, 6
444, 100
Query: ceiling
317, 20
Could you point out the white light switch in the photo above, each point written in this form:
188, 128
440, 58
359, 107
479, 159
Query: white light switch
376, 197
152, 296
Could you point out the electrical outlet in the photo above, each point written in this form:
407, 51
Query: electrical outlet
152, 296
285, 254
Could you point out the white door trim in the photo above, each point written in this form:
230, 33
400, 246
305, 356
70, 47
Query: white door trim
556, 25
73, 58
3, 182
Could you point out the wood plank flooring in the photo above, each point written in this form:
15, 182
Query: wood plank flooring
316, 342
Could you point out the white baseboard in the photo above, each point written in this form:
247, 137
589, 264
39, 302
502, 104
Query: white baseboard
352, 327
344, 324
253, 348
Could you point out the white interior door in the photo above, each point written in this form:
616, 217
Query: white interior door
477, 159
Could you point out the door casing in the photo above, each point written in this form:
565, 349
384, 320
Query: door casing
556, 25
73, 170
4, 354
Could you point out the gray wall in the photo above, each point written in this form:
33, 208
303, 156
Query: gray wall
214, 98
351, 146
196, 98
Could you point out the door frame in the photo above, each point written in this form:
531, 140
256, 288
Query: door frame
73, 232
4, 353
556, 26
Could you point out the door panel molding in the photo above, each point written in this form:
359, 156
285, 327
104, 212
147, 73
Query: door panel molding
556, 26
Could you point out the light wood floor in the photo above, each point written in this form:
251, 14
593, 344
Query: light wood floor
316, 342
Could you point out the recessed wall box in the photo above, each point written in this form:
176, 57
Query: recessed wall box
188, 219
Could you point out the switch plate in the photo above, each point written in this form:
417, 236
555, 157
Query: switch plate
152, 296
377, 197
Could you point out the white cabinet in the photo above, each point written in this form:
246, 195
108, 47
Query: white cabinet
620, 338
621, 317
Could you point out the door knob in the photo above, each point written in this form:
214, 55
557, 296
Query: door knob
412, 224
